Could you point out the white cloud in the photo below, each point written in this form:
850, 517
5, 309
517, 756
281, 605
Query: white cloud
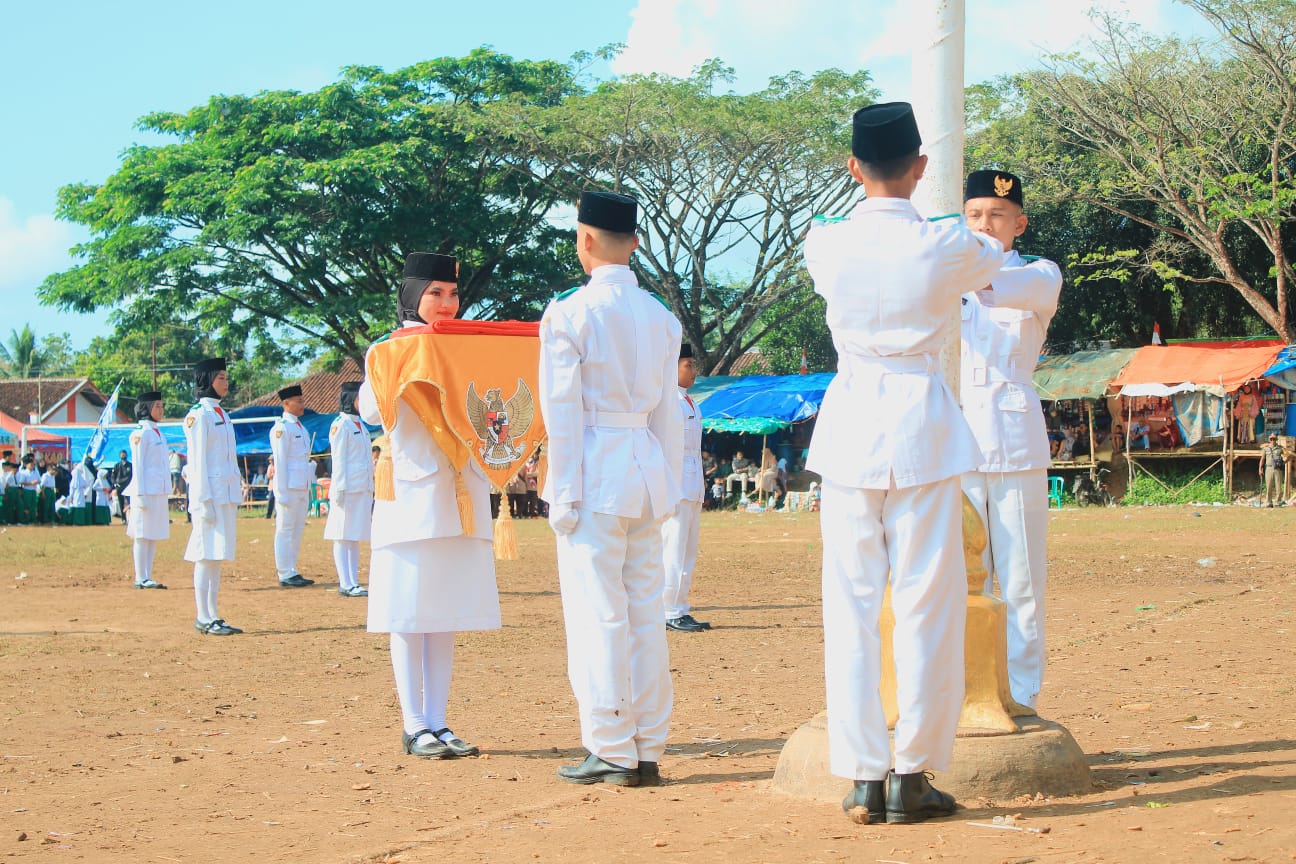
761, 38
31, 248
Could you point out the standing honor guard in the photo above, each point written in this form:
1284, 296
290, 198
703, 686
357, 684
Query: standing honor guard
29, 483
48, 494
215, 491
350, 491
149, 520
1003, 329
680, 531
608, 355
294, 474
890, 445
427, 579
11, 502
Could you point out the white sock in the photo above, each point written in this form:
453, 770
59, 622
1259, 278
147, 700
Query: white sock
142, 552
438, 664
407, 666
213, 587
346, 558
202, 578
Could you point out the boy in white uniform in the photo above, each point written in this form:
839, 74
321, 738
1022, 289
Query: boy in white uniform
1003, 330
294, 473
890, 444
608, 355
680, 531
350, 491
215, 491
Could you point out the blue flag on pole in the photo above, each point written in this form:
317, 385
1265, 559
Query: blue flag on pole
99, 440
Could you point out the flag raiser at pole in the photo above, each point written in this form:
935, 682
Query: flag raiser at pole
99, 440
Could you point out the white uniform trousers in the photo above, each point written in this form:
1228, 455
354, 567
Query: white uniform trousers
1014, 507
290, 525
680, 549
916, 534
610, 572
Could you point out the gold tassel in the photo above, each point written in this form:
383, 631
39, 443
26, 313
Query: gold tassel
385, 477
505, 534
464, 500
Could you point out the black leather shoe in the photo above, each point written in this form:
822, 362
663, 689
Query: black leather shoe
434, 750
149, 583
866, 803
684, 624
220, 628
595, 770
295, 581
911, 798
649, 774
200, 626
455, 745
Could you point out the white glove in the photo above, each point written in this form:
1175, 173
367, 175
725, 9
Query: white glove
204, 512
563, 518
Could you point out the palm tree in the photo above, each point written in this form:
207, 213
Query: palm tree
19, 356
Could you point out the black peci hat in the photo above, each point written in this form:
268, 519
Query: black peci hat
686, 351
993, 184
349, 387
608, 211
210, 365
150, 396
290, 391
431, 266
880, 133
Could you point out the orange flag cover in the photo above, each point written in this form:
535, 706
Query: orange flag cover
473, 385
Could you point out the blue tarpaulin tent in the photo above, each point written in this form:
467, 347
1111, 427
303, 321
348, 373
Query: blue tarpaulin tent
1283, 370
760, 404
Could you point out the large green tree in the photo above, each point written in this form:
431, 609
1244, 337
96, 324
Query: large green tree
728, 184
1195, 143
284, 217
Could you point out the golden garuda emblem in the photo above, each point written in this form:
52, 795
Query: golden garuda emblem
499, 424
1003, 186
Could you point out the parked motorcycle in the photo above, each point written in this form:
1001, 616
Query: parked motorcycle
1092, 489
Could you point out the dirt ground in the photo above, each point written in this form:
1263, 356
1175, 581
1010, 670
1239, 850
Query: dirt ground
125, 735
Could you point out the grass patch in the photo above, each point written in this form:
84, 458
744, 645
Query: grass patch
1203, 490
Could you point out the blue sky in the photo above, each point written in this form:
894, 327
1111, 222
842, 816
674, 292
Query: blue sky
77, 74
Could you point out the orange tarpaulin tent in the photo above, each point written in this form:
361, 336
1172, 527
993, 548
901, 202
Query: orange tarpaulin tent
1216, 367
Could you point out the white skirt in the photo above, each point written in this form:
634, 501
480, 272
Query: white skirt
350, 517
433, 586
213, 541
153, 523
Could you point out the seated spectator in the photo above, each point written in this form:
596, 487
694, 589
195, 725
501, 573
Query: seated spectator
1053, 448
1066, 449
710, 467
1168, 436
1139, 435
740, 464
1081, 445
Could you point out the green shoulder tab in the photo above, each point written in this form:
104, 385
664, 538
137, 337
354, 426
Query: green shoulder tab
565, 294
382, 338
662, 300
197, 406
946, 216
821, 219
1029, 258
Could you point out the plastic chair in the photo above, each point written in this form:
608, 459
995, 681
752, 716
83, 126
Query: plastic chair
1056, 485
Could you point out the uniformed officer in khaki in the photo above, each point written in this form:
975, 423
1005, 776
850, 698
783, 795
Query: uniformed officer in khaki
294, 473
215, 491
350, 491
149, 519
1003, 329
890, 444
608, 355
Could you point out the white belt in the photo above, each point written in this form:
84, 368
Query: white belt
981, 375
615, 419
924, 363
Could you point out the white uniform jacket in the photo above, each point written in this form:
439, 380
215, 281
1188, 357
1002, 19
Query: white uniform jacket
1003, 331
349, 449
290, 445
79, 487
148, 453
424, 481
613, 417
892, 282
213, 460
691, 482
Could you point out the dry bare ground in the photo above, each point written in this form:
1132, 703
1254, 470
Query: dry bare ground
125, 735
